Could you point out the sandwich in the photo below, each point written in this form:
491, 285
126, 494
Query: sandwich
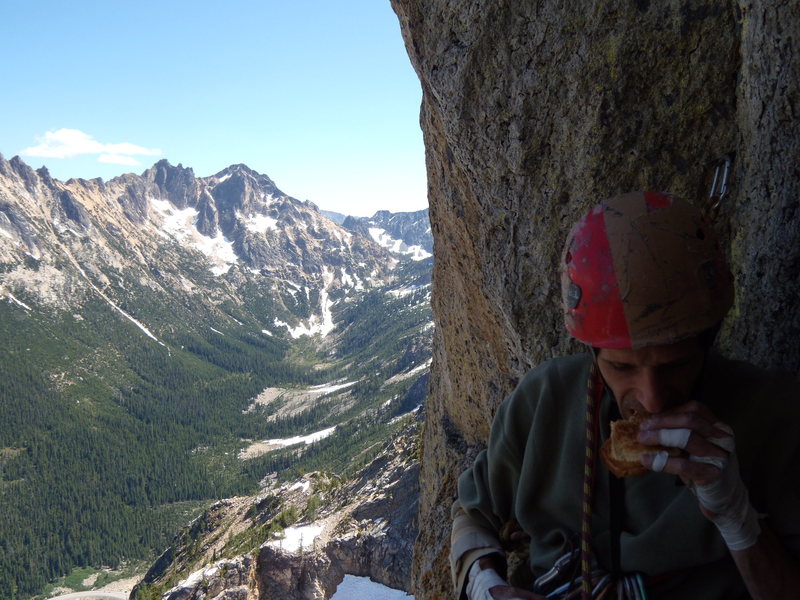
622, 453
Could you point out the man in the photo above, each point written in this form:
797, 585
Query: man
717, 512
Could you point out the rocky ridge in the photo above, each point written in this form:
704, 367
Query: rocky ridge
64, 240
365, 527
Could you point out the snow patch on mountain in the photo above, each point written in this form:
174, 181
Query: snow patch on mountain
134, 321
353, 281
11, 298
382, 238
356, 588
318, 324
296, 538
220, 251
259, 223
303, 486
197, 577
181, 225
327, 388
302, 439
407, 291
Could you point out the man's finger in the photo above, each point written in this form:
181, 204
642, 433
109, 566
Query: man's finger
726, 440
695, 443
659, 461
717, 461
674, 438
701, 473
686, 420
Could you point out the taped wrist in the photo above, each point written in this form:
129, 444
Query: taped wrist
481, 581
739, 533
728, 500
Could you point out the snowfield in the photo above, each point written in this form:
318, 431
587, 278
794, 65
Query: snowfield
298, 538
361, 588
181, 224
301, 439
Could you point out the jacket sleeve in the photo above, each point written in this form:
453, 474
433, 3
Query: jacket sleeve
469, 541
486, 493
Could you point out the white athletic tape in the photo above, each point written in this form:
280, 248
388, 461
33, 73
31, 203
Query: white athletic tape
740, 533
717, 461
727, 497
726, 443
660, 461
481, 581
674, 438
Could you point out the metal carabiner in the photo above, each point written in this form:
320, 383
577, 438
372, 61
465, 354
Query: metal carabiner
719, 186
558, 575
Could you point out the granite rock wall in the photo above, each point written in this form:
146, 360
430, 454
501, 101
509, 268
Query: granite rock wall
532, 111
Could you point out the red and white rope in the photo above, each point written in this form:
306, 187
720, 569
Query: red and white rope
594, 395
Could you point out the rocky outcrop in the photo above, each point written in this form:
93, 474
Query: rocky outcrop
230, 579
177, 184
377, 538
365, 527
533, 111
304, 577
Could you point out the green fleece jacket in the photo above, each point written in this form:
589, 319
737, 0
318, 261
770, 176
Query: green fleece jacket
532, 472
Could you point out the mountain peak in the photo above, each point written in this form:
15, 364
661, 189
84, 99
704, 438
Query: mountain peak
239, 168
163, 167
177, 184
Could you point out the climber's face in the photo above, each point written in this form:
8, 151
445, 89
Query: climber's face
653, 379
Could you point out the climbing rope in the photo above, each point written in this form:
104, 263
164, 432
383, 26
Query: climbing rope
594, 395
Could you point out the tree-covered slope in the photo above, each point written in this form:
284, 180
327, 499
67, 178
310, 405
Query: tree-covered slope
134, 360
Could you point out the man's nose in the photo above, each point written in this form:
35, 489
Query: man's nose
653, 393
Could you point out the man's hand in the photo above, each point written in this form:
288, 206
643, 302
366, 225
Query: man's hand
512, 593
485, 584
711, 470
690, 427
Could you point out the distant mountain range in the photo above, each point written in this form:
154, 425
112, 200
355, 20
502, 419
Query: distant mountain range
237, 222
405, 233
142, 320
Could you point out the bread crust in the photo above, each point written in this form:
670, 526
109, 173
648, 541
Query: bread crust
620, 468
622, 453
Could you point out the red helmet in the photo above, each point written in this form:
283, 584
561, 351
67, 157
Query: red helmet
643, 269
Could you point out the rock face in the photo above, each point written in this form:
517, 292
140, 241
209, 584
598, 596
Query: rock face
378, 542
293, 577
532, 112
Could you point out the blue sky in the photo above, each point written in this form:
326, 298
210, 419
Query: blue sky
318, 95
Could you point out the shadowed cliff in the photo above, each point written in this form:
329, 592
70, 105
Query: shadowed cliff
533, 111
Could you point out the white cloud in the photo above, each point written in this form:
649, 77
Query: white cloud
68, 143
117, 159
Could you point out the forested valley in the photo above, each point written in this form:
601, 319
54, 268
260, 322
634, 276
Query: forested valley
109, 440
